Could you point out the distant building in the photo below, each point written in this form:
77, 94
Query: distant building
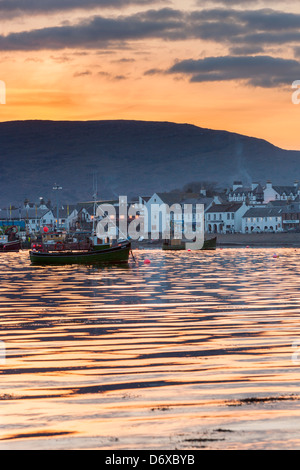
32, 219
281, 193
157, 223
251, 195
225, 218
263, 219
291, 217
67, 215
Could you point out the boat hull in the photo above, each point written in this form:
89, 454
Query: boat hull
10, 246
116, 254
208, 245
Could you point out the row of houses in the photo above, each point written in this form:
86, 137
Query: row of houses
256, 194
255, 208
33, 217
223, 216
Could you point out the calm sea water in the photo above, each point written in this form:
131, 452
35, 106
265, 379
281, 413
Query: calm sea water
194, 351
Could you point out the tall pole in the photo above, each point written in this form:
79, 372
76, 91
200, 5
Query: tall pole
57, 188
95, 190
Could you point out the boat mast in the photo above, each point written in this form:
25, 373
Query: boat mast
95, 190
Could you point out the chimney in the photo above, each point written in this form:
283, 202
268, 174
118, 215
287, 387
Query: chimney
203, 192
269, 185
254, 186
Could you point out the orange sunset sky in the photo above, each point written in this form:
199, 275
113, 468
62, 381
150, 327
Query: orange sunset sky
217, 64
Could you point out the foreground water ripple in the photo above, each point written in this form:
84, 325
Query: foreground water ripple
195, 350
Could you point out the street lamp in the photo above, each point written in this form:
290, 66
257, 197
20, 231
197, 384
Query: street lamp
57, 188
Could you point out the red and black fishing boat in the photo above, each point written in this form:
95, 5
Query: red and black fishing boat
10, 241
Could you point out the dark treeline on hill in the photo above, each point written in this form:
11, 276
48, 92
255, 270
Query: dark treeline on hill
130, 158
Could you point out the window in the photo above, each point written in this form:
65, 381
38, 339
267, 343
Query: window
228, 216
232, 216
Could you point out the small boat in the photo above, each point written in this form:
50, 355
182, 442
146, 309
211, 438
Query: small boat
176, 245
115, 253
9, 242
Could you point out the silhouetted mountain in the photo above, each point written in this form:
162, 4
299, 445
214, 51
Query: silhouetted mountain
130, 158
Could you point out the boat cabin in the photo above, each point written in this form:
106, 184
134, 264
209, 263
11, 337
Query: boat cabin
53, 237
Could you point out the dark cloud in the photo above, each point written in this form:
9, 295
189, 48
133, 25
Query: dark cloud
10, 8
252, 30
261, 71
97, 32
239, 30
248, 28
242, 3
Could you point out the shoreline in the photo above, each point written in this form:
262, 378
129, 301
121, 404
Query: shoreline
239, 240
284, 240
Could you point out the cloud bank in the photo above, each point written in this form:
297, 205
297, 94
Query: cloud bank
261, 71
247, 34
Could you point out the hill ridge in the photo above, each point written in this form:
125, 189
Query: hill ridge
131, 157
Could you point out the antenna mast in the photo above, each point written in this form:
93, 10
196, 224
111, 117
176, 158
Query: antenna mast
95, 194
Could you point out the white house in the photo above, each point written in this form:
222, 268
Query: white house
158, 221
263, 219
33, 219
225, 218
281, 193
252, 195
37, 218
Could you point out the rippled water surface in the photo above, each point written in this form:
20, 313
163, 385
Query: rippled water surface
195, 350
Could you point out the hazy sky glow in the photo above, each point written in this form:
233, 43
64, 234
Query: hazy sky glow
223, 65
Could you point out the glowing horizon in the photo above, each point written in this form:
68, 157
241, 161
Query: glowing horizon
213, 66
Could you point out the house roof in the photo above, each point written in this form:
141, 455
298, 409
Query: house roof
185, 198
65, 210
170, 198
292, 208
199, 200
286, 189
230, 207
17, 214
145, 198
264, 212
247, 190
277, 203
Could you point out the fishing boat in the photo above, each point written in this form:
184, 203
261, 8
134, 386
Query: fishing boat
176, 245
57, 248
96, 254
9, 242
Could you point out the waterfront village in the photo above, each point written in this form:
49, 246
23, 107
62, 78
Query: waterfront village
255, 208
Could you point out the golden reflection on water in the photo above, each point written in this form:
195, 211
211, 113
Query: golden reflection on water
195, 350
